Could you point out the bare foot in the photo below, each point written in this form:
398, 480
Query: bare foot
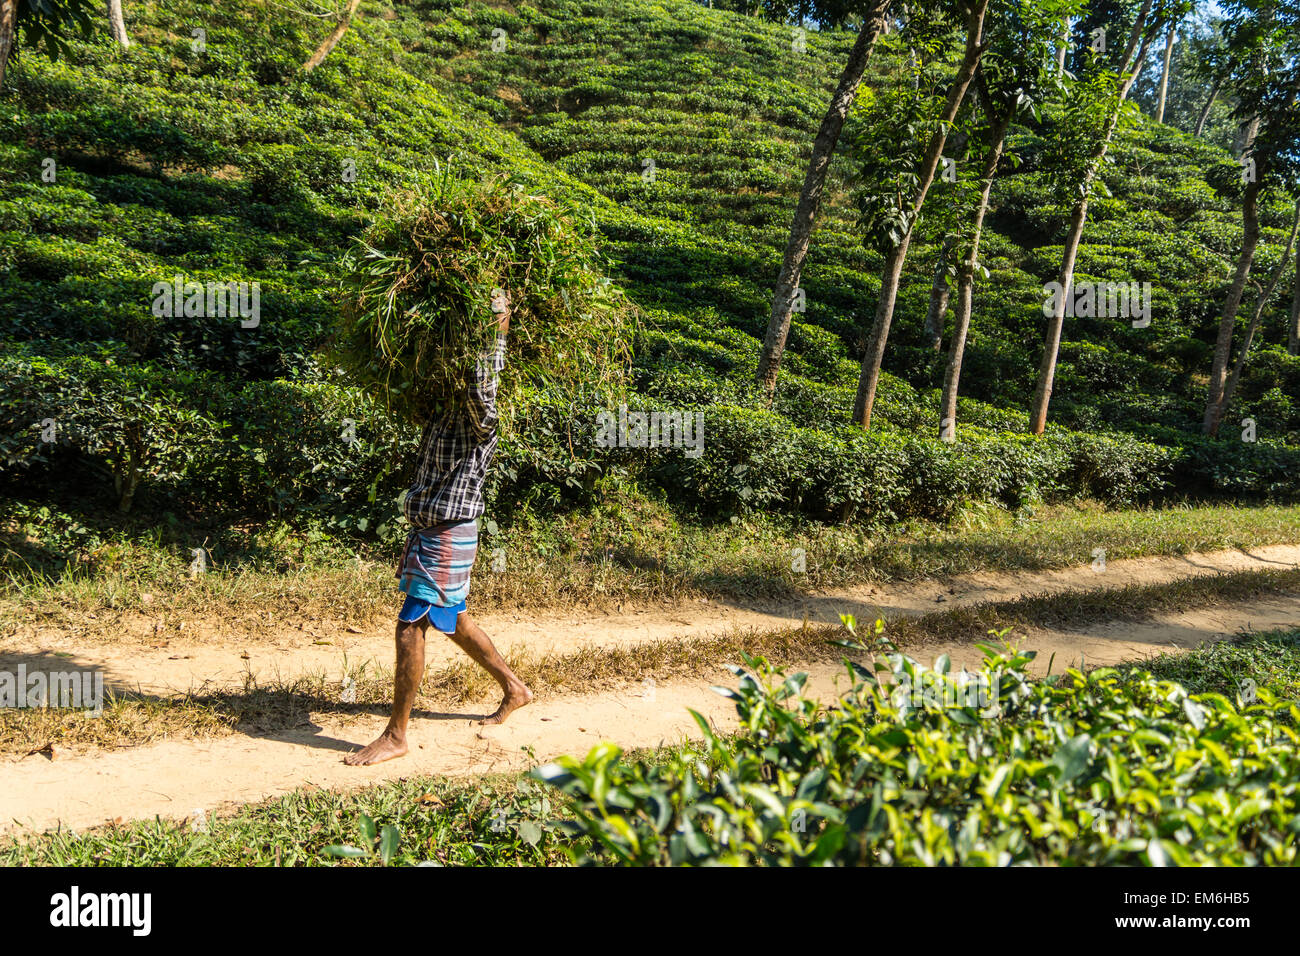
515, 698
385, 747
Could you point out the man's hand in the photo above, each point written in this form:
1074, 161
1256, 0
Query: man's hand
501, 306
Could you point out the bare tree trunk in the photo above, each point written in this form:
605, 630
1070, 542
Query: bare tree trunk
332, 40
117, 25
1293, 336
869, 377
1230, 389
796, 249
1228, 318
1056, 325
966, 281
1078, 218
8, 27
1164, 73
940, 292
1205, 110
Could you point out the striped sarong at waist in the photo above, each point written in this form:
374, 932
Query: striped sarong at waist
436, 562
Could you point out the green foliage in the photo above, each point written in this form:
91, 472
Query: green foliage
126, 420
754, 461
921, 766
1263, 47
1090, 106
1233, 466
48, 25
382, 844
261, 447
1231, 668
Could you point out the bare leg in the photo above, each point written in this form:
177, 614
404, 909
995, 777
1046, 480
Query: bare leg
469, 637
406, 682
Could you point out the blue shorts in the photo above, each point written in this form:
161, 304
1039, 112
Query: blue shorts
443, 618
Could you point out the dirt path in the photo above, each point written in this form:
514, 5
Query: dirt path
176, 778
133, 663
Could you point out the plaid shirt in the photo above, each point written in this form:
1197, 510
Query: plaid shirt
456, 451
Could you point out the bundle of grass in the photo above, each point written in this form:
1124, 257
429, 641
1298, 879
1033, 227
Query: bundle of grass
420, 285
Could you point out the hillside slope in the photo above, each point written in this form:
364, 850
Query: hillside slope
228, 163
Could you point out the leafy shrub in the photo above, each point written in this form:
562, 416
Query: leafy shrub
129, 423
927, 767
1117, 467
1231, 466
551, 450
262, 448
816, 346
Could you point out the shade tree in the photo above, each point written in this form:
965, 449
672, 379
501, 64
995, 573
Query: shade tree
1095, 105
1263, 40
894, 181
1017, 73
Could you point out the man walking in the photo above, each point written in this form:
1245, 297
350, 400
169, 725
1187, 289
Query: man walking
443, 507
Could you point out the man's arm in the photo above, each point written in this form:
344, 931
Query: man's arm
482, 403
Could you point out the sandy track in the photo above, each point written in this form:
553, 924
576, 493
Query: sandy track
179, 666
175, 778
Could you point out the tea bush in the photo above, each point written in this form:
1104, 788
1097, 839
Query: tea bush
752, 459
921, 766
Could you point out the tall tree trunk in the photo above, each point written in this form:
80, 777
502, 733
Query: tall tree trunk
117, 25
8, 28
966, 280
1230, 389
940, 292
333, 39
1164, 73
1205, 110
1056, 324
1293, 334
1228, 318
1134, 54
869, 377
796, 249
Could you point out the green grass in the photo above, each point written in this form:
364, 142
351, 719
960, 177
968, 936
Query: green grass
445, 822
1271, 659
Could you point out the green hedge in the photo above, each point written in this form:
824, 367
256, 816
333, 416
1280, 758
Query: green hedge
754, 460
277, 447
